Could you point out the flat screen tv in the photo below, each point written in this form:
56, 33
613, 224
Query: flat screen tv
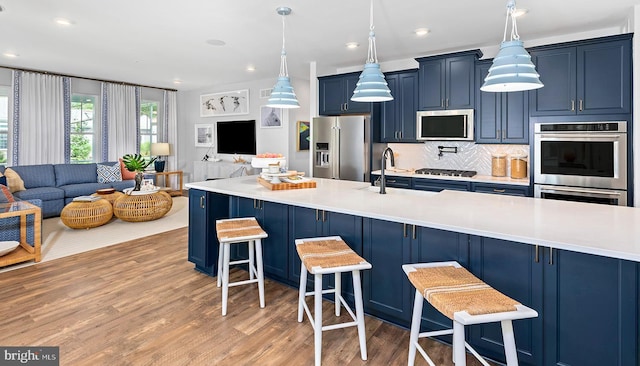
236, 137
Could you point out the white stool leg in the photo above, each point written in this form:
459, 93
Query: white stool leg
416, 319
317, 317
357, 293
509, 343
252, 260
302, 291
338, 293
459, 352
220, 258
258, 245
225, 278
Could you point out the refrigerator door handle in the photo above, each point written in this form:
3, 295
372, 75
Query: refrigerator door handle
335, 152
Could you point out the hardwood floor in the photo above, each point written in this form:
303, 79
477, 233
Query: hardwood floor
142, 303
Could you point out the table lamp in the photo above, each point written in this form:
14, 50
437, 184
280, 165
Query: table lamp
160, 149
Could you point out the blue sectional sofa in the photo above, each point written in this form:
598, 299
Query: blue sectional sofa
58, 184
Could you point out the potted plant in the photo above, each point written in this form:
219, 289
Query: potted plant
136, 163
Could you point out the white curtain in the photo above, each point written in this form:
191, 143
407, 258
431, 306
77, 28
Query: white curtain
120, 115
170, 128
40, 125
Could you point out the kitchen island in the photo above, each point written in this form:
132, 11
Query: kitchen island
575, 263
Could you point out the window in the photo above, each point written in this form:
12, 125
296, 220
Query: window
82, 128
4, 123
148, 126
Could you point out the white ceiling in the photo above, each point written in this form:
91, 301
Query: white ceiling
154, 42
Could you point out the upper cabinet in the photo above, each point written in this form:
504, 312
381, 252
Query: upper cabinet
447, 81
501, 118
586, 77
335, 93
398, 122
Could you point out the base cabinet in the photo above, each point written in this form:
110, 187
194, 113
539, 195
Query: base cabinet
204, 209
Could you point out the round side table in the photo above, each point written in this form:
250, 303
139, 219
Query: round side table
86, 215
142, 207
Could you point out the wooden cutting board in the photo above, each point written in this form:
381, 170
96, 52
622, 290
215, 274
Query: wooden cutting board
285, 185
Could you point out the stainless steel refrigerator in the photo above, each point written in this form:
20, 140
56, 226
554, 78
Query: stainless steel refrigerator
342, 148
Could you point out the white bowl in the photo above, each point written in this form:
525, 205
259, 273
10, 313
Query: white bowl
7, 247
264, 162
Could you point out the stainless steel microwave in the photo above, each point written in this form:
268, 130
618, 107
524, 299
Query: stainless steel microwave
445, 125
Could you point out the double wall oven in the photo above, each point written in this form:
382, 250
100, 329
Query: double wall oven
581, 161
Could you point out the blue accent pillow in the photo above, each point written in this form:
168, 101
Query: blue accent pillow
109, 173
3, 180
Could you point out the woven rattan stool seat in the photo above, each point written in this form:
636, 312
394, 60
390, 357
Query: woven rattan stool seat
143, 207
86, 215
111, 197
450, 289
325, 254
236, 229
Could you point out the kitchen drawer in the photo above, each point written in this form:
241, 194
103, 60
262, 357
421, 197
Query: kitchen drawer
505, 189
437, 185
393, 181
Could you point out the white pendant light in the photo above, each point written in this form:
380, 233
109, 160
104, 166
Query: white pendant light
512, 69
371, 86
282, 94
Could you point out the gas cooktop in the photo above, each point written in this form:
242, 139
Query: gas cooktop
446, 172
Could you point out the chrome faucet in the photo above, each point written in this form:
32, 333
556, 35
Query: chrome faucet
384, 159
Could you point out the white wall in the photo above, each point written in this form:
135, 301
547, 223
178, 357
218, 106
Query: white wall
273, 140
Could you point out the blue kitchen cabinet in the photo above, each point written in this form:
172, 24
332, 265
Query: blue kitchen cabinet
512, 269
590, 314
447, 81
501, 118
335, 93
386, 290
398, 123
310, 223
273, 218
204, 209
437, 185
504, 189
586, 77
393, 181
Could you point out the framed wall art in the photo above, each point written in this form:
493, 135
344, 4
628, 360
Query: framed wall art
225, 103
204, 135
304, 135
270, 117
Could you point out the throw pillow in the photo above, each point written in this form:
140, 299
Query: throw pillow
126, 174
14, 182
3, 180
5, 194
108, 173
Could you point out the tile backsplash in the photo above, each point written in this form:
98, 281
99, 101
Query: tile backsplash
470, 156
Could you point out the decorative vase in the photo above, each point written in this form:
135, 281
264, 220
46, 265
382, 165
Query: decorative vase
159, 165
138, 178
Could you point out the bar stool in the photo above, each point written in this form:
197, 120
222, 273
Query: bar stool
235, 231
330, 255
466, 300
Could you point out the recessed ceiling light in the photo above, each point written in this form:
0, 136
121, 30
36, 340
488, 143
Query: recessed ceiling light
352, 45
520, 12
177, 81
251, 68
420, 32
64, 22
10, 54
216, 42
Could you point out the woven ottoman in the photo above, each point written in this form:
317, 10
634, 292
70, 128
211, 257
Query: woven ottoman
86, 215
142, 207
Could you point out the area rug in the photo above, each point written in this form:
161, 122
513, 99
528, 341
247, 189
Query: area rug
59, 241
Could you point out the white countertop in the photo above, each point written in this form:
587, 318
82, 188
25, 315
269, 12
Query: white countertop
474, 179
612, 231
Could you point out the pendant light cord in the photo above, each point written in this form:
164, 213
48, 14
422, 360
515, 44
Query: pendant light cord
372, 55
283, 56
511, 10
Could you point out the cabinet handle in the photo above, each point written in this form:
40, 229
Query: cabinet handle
537, 254
497, 134
442, 103
573, 105
202, 201
390, 180
413, 232
316, 214
346, 107
324, 216
504, 134
499, 190
581, 105
551, 256
447, 103
400, 134
404, 230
